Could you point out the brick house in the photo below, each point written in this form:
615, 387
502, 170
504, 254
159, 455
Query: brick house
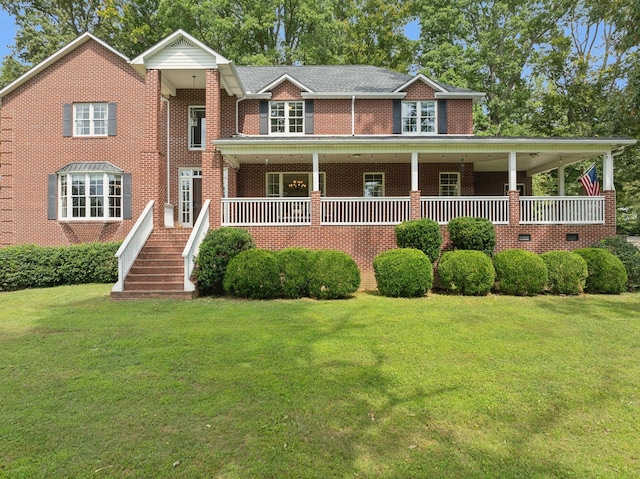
158, 149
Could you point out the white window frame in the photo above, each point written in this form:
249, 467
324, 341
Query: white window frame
280, 182
98, 119
110, 195
193, 109
286, 118
419, 117
373, 176
446, 184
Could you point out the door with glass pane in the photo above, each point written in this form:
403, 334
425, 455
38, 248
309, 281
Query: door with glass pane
190, 195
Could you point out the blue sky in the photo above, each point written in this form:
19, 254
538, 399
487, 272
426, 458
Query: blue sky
7, 33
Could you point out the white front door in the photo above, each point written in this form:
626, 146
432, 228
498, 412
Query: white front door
190, 195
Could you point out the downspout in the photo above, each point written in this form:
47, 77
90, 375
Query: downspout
353, 115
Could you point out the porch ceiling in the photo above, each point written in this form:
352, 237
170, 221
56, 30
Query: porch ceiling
534, 155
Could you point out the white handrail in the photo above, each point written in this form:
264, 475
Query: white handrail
443, 209
133, 244
365, 211
541, 210
191, 249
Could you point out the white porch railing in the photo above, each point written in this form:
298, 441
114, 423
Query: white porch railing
132, 245
266, 211
444, 208
365, 211
192, 247
562, 210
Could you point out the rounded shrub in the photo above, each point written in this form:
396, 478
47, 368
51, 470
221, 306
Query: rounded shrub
423, 235
466, 272
294, 266
217, 249
566, 271
404, 272
253, 274
333, 275
628, 253
520, 272
606, 272
468, 233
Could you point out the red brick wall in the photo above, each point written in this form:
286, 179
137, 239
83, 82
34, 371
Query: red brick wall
492, 183
32, 119
459, 117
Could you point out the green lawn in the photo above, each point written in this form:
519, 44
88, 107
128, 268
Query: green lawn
438, 387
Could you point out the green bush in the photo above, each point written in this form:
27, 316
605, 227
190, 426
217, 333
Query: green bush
606, 272
466, 272
423, 235
333, 275
468, 233
294, 271
567, 272
30, 266
217, 249
520, 273
628, 253
404, 272
254, 274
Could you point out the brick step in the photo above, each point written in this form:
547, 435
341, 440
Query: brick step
154, 285
158, 275
164, 248
153, 268
124, 295
160, 255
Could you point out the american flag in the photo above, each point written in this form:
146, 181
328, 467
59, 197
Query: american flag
590, 181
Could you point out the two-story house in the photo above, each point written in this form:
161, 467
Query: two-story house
158, 149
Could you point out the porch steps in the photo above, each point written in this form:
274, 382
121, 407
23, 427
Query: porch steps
159, 269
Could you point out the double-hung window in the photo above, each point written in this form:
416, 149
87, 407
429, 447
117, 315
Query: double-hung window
292, 184
286, 117
419, 117
90, 119
449, 184
197, 128
373, 184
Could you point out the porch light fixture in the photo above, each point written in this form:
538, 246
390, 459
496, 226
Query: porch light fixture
297, 184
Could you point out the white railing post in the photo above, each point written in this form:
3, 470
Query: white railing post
192, 248
133, 244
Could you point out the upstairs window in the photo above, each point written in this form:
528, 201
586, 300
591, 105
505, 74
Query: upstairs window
419, 117
90, 119
286, 117
197, 125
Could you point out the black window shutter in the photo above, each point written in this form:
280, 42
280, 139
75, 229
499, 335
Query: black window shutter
111, 119
397, 117
264, 117
52, 193
308, 117
67, 119
126, 196
442, 117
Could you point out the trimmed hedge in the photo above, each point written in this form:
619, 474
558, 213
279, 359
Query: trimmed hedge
333, 275
217, 249
520, 272
628, 253
606, 272
467, 272
404, 272
253, 274
30, 266
567, 272
423, 235
469, 233
294, 271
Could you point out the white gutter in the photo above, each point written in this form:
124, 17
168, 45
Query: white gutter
353, 115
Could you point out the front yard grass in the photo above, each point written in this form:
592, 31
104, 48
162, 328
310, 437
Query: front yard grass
437, 387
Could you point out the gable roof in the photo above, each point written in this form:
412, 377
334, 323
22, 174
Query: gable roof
81, 40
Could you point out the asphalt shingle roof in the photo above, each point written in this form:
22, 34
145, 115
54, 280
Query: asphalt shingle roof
330, 78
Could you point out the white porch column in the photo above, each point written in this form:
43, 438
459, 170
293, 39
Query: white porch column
513, 172
607, 172
316, 172
414, 171
561, 191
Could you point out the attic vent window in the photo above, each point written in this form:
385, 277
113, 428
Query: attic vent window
182, 43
